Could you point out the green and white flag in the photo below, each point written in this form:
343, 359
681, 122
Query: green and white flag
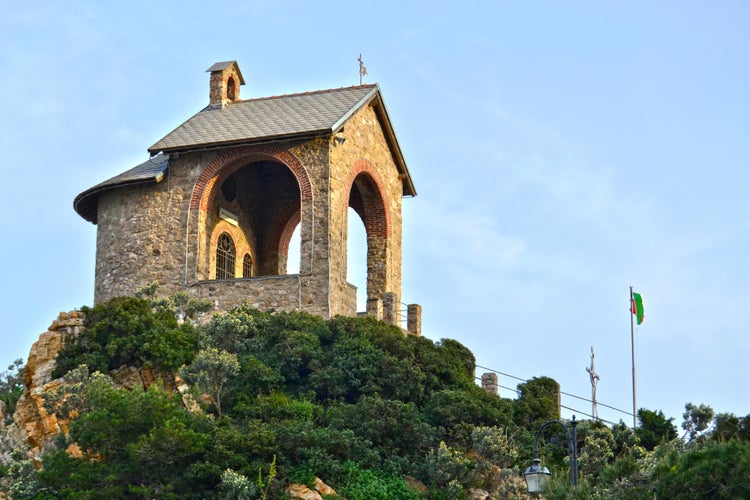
636, 307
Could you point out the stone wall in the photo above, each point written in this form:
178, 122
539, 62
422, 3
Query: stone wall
365, 158
167, 231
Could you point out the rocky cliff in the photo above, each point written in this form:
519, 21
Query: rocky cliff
33, 428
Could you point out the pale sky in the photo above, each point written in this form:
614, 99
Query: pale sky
562, 151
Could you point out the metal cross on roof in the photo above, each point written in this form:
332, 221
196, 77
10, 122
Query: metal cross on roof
362, 69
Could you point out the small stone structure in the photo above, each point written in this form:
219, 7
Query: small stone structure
489, 382
213, 210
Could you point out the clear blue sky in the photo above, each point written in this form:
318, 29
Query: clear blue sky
562, 152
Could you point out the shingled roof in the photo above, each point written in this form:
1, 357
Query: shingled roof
151, 170
279, 117
292, 116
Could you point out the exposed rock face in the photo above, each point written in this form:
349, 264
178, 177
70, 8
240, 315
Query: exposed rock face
33, 428
303, 492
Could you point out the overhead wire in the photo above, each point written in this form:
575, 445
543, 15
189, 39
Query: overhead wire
561, 392
579, 412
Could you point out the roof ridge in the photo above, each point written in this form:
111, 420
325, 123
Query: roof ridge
310, 92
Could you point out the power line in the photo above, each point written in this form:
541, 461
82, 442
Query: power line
561, 392
579, 412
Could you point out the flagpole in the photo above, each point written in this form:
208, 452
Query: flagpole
632, 351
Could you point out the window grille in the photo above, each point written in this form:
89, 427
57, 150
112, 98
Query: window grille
225, 257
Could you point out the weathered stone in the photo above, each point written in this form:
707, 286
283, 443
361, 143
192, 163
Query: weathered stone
302, 492
477, 494
489, 382
127, 377
322, 487
33, 428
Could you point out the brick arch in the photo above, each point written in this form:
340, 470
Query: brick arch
207, 181
376, 209
285, 232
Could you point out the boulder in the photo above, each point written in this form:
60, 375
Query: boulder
303, 492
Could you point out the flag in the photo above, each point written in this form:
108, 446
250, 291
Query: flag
636, 307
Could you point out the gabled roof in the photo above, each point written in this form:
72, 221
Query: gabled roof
283, 116
151, 170
286, 117
220, 66
291, 116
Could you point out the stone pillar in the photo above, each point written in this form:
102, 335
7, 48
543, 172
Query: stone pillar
375, 308
390, 308
414, 319
489, 382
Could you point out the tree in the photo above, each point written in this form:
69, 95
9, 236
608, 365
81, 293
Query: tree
133, 444
696, 419
127, 331
209, 372
11, 386
654, 428
537, 402
716, 470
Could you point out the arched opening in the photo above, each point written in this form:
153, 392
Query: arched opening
366, 199
293, 254
231, 89
356, 257
247, 266
258, 204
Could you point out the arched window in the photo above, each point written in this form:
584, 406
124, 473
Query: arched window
230, 89
247, 266
225, 257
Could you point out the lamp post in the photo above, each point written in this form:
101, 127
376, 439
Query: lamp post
536, 475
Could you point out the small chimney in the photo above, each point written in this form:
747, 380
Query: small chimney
226, 79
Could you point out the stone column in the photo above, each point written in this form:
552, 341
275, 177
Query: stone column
414, 319
390, 308
375, 308
489, 382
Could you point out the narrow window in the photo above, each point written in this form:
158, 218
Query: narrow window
225, 257
230, 89
247, 266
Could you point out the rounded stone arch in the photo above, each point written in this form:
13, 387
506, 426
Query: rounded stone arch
369, 199
207, 188
207, 183
374, 210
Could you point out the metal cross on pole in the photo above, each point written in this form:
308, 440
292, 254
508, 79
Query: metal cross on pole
594, 380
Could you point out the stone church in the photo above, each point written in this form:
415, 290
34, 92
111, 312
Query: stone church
212, 212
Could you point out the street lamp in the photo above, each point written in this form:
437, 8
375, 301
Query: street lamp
536, 475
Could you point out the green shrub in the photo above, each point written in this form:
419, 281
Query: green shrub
126, 330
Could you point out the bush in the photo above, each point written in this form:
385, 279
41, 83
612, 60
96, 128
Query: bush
126, 330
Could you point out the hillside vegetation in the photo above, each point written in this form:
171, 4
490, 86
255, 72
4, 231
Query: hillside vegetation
280, 398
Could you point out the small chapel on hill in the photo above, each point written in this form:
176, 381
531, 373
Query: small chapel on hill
213, 210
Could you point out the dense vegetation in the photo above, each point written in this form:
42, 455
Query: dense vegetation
287, 397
